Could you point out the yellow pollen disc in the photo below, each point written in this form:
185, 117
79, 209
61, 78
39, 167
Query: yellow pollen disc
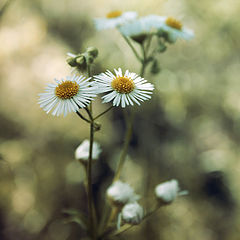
172, 22
123, 84
114, 14
66, 90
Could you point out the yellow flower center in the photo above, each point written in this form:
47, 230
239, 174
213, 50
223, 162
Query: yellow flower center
66, 90
123, 84
172, 22
114, 14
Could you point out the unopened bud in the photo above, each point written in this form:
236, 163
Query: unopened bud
90, 59
120, 193
80, 60
72, 61
168, 191
92, 51
132, 213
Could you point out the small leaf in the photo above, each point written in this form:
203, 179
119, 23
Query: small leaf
76, 217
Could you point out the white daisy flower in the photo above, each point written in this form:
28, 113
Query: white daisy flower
142, 26
82, 151
132, 213
175, 29
125, 89
67, 95
114, 19
168, 191
121, 193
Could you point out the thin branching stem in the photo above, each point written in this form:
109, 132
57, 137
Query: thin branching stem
126, 143
99, 115
149, 40
91, 205
133, 48
82, 117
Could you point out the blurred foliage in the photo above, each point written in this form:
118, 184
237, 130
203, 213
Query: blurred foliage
190, 130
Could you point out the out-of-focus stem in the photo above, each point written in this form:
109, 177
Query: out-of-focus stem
132, 47
127, 139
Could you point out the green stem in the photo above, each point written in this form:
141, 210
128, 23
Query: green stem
82, 117
89, 183
127, 139
132, 47
99, 115
144, 61
148, 43
91, 205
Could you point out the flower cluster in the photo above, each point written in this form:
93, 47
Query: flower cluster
123, 196
77, 92
121, 89
139, 28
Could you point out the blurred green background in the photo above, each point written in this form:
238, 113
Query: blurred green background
190, 130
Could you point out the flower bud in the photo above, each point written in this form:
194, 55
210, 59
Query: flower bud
72, 61
168, 191
92, 51
80, 59
82, 151
89, 59
121, 193
132, 213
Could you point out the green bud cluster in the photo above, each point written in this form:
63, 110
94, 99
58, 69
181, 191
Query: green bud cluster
82, 60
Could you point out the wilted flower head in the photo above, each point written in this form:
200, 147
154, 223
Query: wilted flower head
114, 19
124, 89
67, 95
168, 191
132, 213
82, 151
121, 193
174, 29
